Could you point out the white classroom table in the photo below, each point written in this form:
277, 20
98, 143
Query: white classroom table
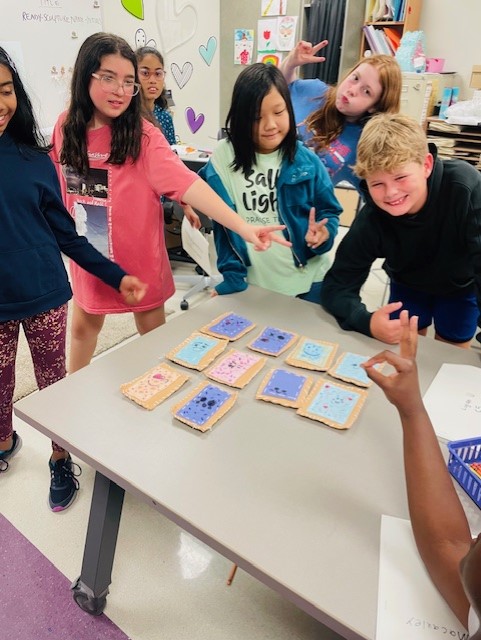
296, 504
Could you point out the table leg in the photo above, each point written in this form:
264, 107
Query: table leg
91, 588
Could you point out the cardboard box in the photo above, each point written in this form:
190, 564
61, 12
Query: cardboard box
348, 199
476, 77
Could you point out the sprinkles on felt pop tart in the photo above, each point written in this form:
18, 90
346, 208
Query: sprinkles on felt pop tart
334, 404
272, 341
229, 326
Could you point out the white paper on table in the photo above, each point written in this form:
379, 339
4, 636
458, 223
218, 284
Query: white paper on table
409, 606
196, 245
453, 402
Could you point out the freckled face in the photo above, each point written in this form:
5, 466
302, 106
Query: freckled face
359, 93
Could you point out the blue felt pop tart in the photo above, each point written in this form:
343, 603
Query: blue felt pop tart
334, 404
229, 326
284, 387
272, 341
204, 406
197, 351
348, 368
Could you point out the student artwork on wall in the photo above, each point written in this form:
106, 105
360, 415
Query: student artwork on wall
267, 35
243, 46
273, 7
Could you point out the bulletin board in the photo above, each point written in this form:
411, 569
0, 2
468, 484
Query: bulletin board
43, 38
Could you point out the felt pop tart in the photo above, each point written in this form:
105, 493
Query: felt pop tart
236, 368
204, 406
272, 341
197, 351
316, 355
154, 386
334, 404
229, 326
284, 387
348, 368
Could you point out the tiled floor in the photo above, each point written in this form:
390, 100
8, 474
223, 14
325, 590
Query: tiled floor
166, 584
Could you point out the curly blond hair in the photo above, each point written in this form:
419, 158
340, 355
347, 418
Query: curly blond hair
389, 141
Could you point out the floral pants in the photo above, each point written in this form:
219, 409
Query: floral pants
46, 335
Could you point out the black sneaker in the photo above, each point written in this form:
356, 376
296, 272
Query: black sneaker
9, 453
63, 483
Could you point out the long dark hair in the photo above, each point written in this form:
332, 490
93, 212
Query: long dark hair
23, 127
126, 128
140, 54
250, 89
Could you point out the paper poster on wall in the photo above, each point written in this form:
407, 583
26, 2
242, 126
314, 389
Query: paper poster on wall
270, 58
286, 32
273, 7
243, 46
267, 35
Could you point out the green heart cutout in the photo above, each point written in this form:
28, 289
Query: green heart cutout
135, 7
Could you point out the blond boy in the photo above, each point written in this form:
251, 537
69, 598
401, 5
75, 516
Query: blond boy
423, 217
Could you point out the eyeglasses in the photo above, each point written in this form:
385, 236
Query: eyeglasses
158, 73
109, 83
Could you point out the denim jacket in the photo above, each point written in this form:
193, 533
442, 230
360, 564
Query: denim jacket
302, 184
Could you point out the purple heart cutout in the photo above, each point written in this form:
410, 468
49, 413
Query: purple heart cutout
194, 122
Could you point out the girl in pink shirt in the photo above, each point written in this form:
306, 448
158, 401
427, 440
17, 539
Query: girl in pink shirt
113, 167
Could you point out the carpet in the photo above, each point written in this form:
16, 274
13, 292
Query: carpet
35, 598
117, 328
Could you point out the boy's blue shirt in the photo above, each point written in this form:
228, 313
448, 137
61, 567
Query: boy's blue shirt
301, 185
436, 251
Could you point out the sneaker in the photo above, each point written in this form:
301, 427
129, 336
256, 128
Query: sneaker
9, 453
63, 483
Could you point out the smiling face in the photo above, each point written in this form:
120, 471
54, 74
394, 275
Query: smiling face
112, 103
8, 99
272, 124
359, 93
152, 78
404, 191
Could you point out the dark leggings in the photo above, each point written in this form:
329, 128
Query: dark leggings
46, 334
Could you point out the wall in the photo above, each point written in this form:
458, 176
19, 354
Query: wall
241, 15
186, 32
43, 37
452, 32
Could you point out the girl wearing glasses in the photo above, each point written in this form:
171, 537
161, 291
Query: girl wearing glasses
150, 65
117, 165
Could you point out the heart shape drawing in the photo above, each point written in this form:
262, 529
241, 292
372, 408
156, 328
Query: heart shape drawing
135, 7
182, 76
176, 26
207, 52
194, 122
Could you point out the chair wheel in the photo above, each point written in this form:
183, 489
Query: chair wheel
184, 305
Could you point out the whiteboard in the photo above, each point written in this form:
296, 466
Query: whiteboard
43, 38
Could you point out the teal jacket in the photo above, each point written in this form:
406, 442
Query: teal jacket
302, 184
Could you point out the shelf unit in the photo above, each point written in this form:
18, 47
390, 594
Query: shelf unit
412, 14
456, 140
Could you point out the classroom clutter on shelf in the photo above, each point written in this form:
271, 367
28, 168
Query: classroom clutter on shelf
385, 24
322, 399
464, 465
456, 140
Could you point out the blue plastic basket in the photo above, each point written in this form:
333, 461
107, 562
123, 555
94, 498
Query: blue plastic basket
462, 453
